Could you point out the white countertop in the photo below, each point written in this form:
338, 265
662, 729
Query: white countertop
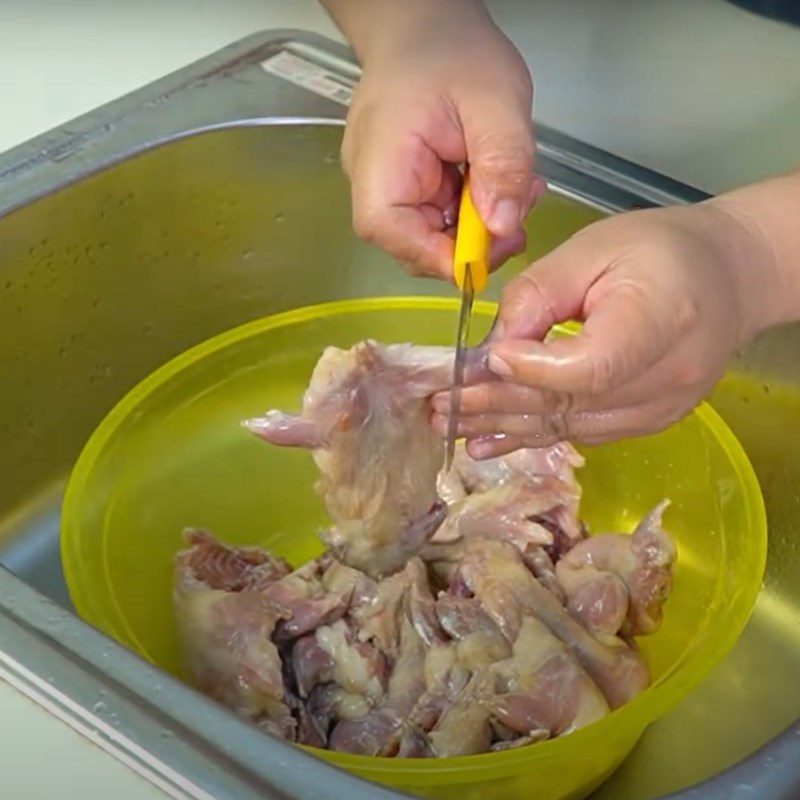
697, 89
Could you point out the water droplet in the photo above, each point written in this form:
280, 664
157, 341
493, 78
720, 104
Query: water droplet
9, 285
148, 329
99, 707
248, 253
279, 217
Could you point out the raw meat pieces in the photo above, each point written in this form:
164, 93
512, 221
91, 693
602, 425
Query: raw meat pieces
450, 614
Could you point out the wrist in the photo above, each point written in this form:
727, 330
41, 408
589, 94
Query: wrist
761, 288
387, 27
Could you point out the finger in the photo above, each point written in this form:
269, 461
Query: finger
619, 341
552, 290
448, 194
500, 250
538, 188
589, 429
495, 446
433, 216
503, 248
558, 425
555, 424
498, 133
391, 178
500, 397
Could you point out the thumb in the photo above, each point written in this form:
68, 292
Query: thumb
498, 133
552, 290
619, 339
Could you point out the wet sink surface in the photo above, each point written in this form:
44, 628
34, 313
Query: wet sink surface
112, 276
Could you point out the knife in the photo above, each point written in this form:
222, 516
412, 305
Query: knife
470, 273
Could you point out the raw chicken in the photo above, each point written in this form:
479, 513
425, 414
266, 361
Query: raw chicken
547, 473
225, 633
496, 574
304, 602
446, 618
332, 653
464, 727
618, 582
542, 688
380, 731
365, 416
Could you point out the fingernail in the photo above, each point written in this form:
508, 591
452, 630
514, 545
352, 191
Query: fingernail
500, 367
483, 446
505, 218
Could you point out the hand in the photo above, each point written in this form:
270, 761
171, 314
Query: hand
436, 93
665, 295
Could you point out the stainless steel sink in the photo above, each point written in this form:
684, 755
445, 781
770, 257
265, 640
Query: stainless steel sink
214, 197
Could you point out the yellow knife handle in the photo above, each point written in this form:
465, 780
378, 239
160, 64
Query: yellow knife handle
472, 243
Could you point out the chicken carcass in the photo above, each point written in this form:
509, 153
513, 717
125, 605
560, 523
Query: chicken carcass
365, 417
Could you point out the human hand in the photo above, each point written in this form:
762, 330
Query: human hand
446, 87
665, 296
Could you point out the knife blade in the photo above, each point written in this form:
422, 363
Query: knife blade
470, 273
462, 342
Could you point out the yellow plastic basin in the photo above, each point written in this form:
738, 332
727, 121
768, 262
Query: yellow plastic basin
173, 454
